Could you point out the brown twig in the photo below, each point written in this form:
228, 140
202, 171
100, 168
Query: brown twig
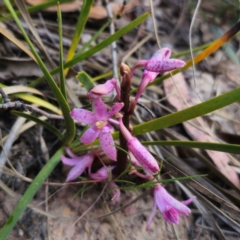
24, 107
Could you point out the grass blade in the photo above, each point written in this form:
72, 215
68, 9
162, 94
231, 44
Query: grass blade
46, 125
98, 47
221, 147
61, 69
29, 194
70, 126
87, 4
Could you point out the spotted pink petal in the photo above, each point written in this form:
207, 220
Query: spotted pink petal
100, 109
83, 116
90, 135
143, 156
163, 53
107, 143
163, 65
102, 89
114, 109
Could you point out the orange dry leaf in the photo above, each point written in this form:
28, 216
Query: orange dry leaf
220, 159
96, 12
65, 7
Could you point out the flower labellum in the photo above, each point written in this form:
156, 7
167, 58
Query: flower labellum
168, 206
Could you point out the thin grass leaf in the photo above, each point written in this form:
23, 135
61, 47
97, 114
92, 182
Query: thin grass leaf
46, 125
29, 194
19, 89
200, 109
18, 43
85, 80
94, 37
79, 57
70, 126
61, 69
87, 4
38, 101
228, 148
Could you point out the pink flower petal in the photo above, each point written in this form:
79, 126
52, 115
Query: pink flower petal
163, 65
107, 143
143, 156
72, 155
90, 135
70, 161
102, 89
147, 77
102, 173
114, 109
83, 116
169, 206
100, 109
154, 208
163, 53
171, 216
78, 169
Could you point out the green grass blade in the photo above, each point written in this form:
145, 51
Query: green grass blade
85, 80
98, 47
95, 36
221, 147
29, 194
87, 4
70, 126
46, 125
189, 113
61, 69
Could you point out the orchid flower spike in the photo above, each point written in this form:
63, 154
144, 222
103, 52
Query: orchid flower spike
99, 127
143, 156
159, 63
169, 206
79, 164
104, 89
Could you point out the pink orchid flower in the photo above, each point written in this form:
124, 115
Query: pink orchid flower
103, 174
99, 127
169, 206
159, 63
79, 164
104, 89
143, 156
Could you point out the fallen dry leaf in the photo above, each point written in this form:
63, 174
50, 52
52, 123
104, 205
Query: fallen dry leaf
96, 12
220, 159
